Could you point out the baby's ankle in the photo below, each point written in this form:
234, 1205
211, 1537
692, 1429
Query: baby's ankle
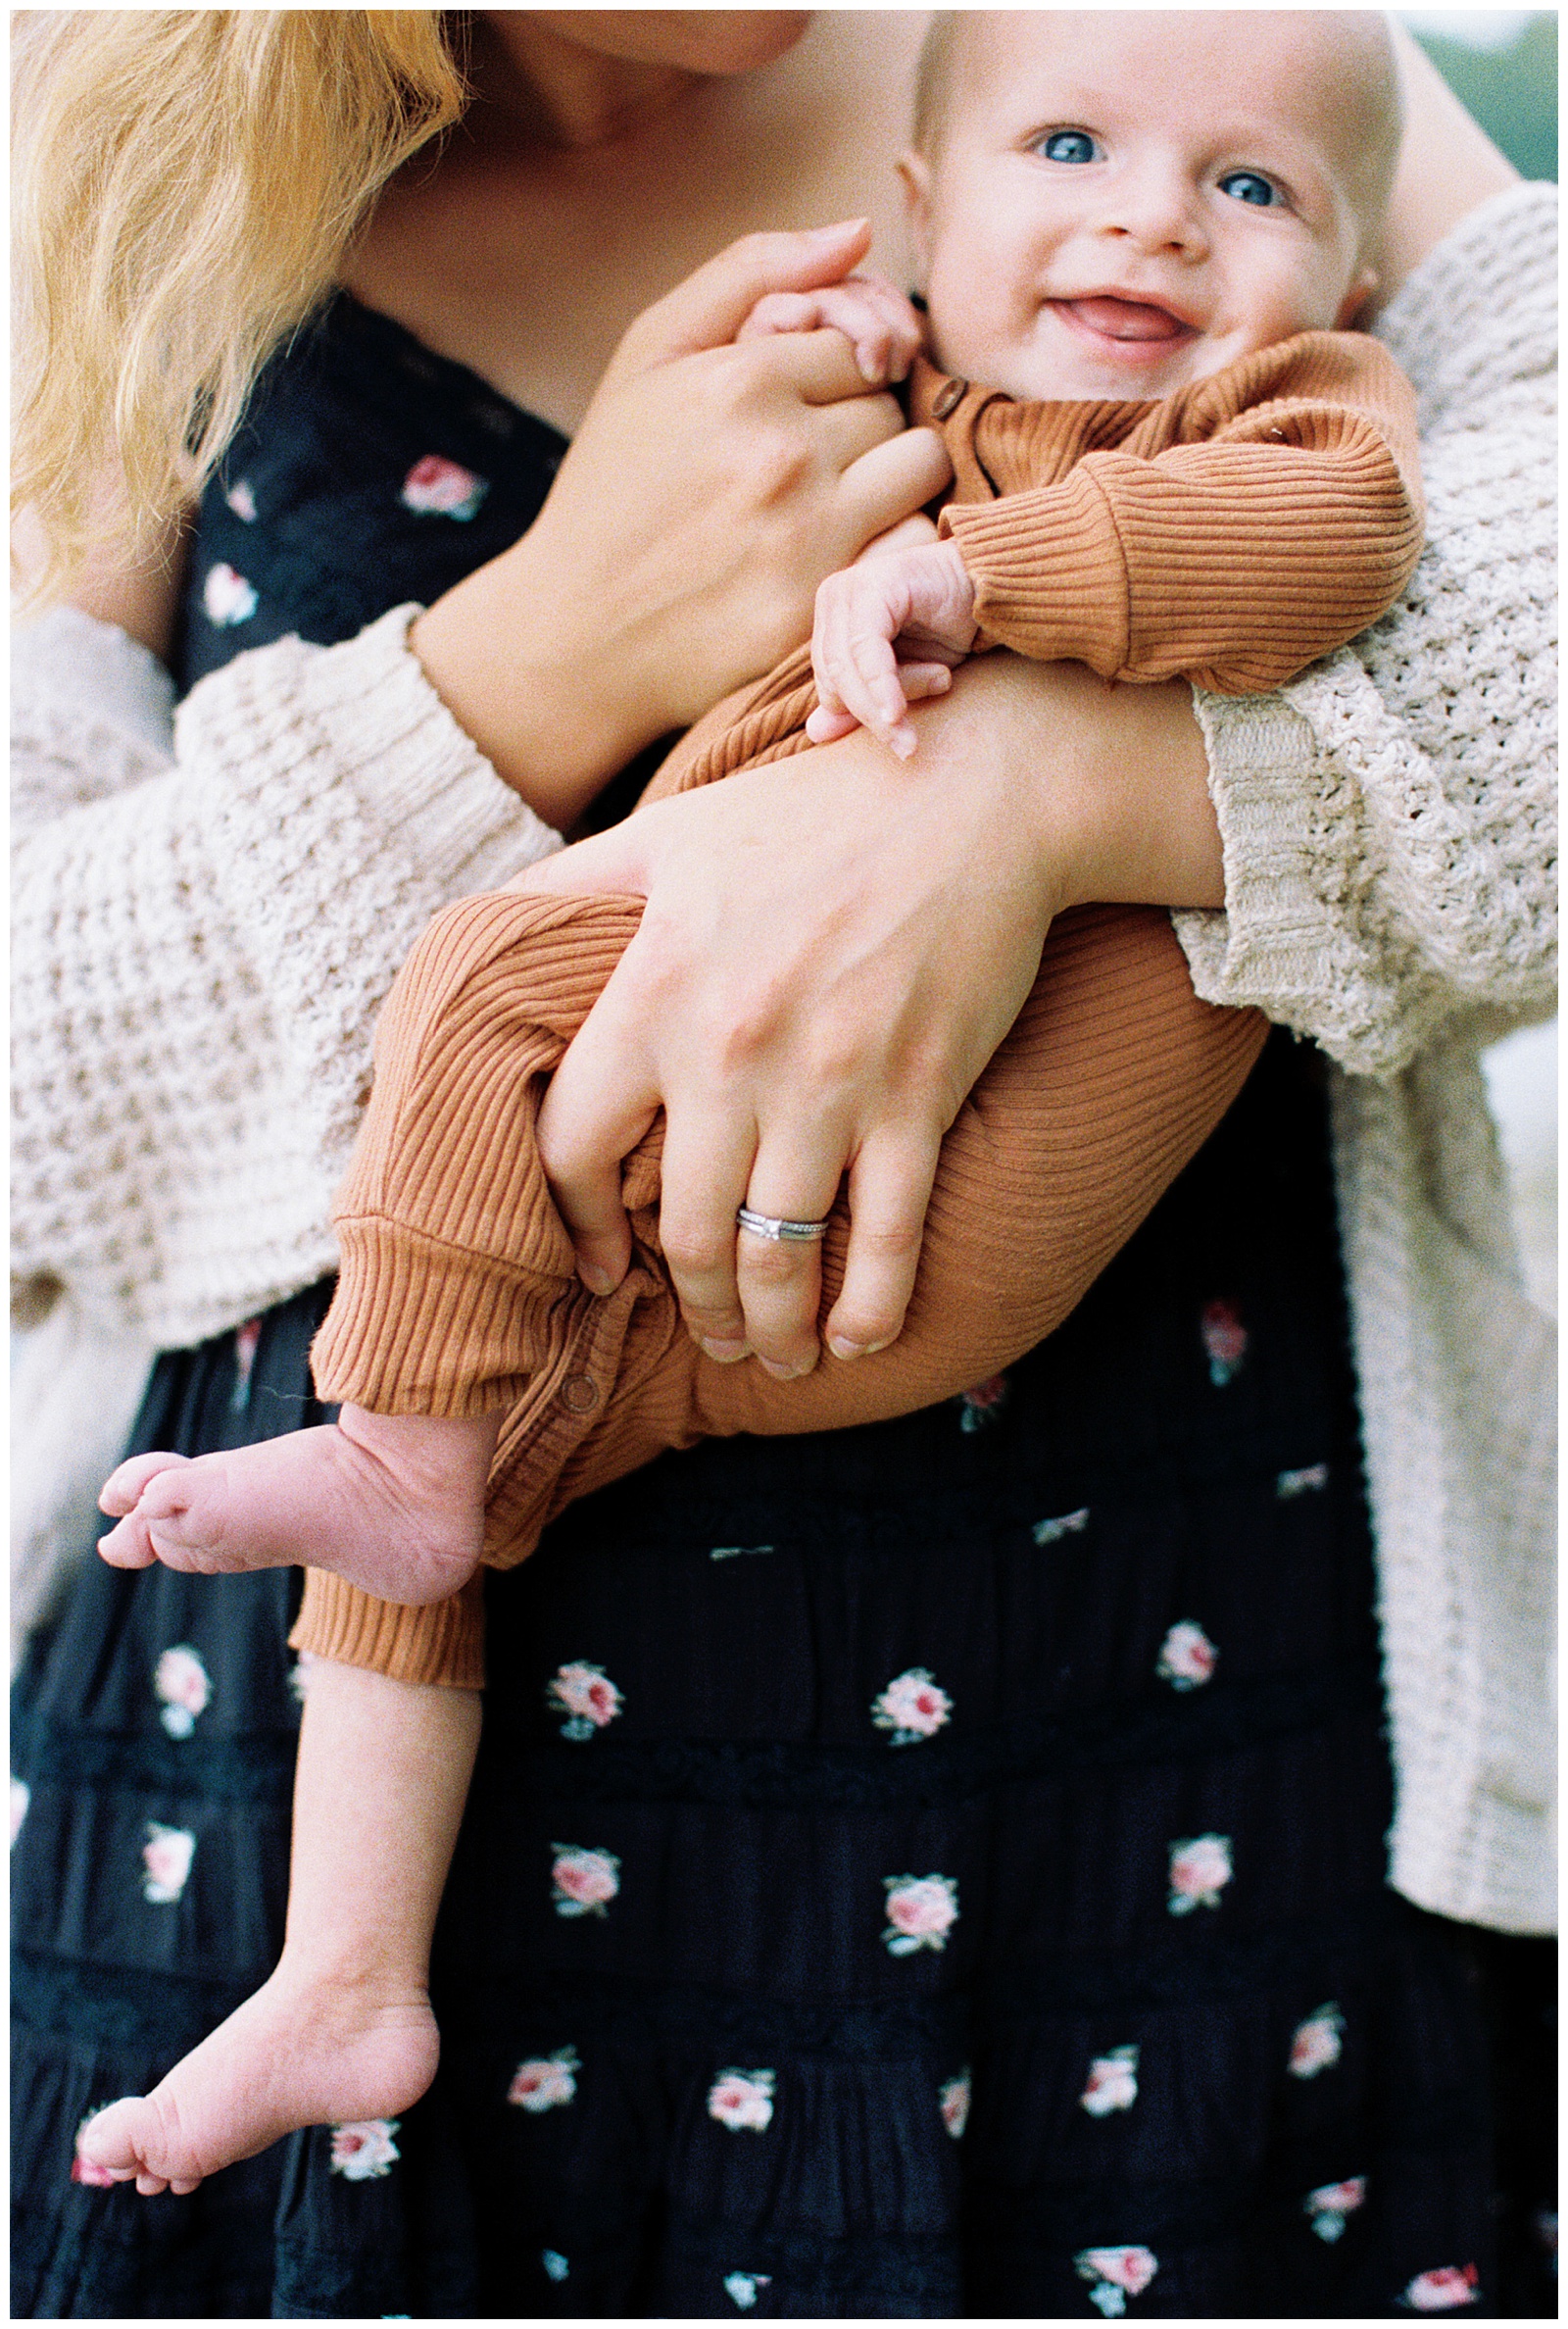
440, 1459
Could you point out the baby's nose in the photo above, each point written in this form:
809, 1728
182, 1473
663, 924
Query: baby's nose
1157, 211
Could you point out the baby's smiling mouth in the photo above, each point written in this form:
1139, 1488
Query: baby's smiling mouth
1133, 330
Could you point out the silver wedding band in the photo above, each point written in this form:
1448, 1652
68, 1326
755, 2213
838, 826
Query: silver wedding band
771, 1226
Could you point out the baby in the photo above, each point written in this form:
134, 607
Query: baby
1171, 463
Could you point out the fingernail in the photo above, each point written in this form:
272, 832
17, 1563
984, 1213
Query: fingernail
903, 741
596, 1279
726, 1352
836, 232
845, 1350
872, 368
785, 1374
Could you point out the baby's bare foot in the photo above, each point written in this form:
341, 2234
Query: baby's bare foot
395, 1504
299, 2053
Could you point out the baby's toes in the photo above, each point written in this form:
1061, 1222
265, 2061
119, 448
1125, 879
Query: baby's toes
121, 1491
188, 1516
128, 1545
137, 2136
112, 2139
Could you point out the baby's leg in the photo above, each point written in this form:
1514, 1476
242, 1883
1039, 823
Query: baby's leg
343, 2030
394, 1504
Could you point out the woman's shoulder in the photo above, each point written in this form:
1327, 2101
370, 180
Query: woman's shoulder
1480, 313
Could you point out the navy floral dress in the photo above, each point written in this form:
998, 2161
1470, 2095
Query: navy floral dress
929, 1869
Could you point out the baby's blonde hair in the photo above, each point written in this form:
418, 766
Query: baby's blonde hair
1371, 85
185, 182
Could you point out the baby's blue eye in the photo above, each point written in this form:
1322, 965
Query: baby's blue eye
1067, 145
1246, 185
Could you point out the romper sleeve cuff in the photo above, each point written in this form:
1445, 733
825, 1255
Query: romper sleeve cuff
442, 1643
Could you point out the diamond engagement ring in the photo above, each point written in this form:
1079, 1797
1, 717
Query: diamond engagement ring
768, 1225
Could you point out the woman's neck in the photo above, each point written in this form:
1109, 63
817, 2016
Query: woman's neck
560, 94
524, 255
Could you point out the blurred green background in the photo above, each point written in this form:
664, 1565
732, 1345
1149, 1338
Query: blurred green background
1502, 64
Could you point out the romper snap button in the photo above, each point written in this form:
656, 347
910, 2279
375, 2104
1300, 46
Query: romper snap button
948, 398
577, 1392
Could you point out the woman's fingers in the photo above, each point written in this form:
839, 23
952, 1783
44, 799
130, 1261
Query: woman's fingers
593, 1115
780, 1279
889, 1188
707, 1164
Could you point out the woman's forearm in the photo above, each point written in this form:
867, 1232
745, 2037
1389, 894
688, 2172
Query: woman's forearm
249, 906
1111, 781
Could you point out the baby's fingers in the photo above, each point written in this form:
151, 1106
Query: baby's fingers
922, 679
852, 654
826, 727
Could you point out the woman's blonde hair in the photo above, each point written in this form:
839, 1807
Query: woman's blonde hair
185, 182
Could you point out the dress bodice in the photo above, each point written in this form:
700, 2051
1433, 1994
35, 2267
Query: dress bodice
368, 471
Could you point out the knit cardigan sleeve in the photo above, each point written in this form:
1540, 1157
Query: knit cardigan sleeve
1389, 821
206, 918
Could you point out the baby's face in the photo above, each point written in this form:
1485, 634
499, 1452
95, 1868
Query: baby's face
1126, 202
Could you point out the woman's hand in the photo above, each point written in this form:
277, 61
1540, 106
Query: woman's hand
833, 947
711, 489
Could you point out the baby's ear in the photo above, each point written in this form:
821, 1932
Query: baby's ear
1355, 299
914, 170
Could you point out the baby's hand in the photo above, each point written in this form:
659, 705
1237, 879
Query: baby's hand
888, 631
876, 319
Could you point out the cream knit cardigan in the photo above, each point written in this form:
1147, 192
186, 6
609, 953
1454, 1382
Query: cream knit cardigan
206, 926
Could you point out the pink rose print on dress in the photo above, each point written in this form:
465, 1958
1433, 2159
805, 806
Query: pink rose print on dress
1116, 2273
1318, 2042
586, 1696
920, 1909
1187, 1656
1224, 1339
545, 2083
913, 1707
242, 501
436, 487
166, 1858
21, 1797
227, 597
1302, 1482
363, 2147
1063, 1524
954, 2100
1199, 1871
741, 2101
741, 2288
1112, 2082
86, 2171
584, 1880
299, 1675
980, 1408
1328, 2206
181, 1681
247, 1339
1445, 2290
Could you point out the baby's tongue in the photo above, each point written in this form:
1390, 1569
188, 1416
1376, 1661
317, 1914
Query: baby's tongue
1128, 319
